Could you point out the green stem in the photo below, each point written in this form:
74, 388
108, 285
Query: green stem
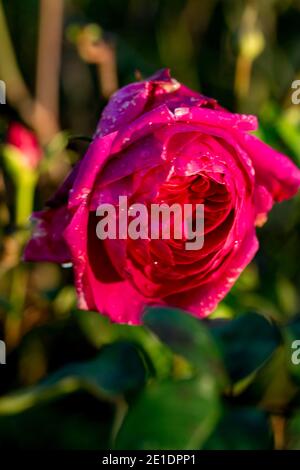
25, 189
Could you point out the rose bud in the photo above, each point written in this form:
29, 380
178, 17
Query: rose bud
22, 155
160, 142
25, 143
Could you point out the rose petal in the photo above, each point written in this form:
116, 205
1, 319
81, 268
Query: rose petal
273, 170
47, 243
95, 158
202, 300
223, 119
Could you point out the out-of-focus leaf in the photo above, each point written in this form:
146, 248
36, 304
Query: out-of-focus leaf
172, 415
222, 311
100, 331
65, 301
22, 400
241, 429
287, 295
249, 279
119, 368
246, 343
72, 422
57, 145
251, 301
186, 336
271, 388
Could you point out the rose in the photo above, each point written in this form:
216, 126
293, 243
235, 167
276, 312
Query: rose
159, 141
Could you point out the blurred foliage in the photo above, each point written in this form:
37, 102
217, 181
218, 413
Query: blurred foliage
73, 380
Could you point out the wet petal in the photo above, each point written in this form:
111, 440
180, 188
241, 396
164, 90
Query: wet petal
273, 170
203, 299
47, 243
94, 160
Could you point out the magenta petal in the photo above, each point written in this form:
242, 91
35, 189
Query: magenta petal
202, 300
145, 125
124, 106
273, 170
96, 156
172, 93
75, 236
130, 102
263, 203
161, 75
120, 301
215, 118
107, 292
46, 243
144, 154
133, 100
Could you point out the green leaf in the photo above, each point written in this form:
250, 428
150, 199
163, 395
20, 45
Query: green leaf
186, 336
172, 415
273, 387
100, 331
177, 414
246, 343
118, 369
72, 422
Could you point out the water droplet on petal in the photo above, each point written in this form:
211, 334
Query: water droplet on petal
67, 265
181, 112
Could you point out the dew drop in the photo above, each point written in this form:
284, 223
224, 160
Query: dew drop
181, 112
67, 265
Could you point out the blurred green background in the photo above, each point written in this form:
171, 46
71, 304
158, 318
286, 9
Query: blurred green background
72, 379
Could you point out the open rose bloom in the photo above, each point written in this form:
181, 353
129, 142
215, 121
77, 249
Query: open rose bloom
158, 141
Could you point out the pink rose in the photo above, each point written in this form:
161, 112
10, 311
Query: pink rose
24, 141
159, 141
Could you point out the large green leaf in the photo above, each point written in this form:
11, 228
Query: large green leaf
172, 415
101, 331
177, 414
119, 368
186, 336
246, 343
76, 421
272, 386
